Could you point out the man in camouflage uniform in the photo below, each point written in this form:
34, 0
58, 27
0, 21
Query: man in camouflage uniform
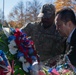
44, 34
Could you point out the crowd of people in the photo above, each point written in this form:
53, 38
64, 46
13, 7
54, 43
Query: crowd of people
53, 35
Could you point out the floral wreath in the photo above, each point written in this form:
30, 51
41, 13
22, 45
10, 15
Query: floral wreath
23, 46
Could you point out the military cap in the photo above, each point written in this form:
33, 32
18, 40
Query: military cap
47, 10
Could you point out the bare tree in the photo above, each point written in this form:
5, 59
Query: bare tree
17, 14
24, 13
32, 10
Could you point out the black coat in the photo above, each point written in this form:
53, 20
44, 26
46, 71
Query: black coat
72, 55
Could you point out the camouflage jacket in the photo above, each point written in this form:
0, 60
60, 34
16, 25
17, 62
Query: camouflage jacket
48, 42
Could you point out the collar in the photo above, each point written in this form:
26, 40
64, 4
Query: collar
69, 37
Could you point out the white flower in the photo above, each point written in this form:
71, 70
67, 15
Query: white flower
35, 66
25, 64
22, 59
12, 48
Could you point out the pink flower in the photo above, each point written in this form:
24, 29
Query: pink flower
54, 72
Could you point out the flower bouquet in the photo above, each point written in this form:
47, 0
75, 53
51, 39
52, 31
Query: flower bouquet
23, 47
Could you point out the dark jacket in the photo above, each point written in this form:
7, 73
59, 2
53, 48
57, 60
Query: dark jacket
72, 55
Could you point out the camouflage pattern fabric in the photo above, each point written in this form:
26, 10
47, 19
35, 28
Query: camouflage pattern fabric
47, 11
48, 42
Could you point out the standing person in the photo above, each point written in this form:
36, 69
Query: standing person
44, 34
66, 24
